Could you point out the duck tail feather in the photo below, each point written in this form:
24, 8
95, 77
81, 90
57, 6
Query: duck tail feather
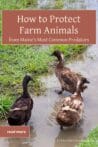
85, 80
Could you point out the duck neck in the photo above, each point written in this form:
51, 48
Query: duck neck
60, 64
25, 89
60, 57
61, 61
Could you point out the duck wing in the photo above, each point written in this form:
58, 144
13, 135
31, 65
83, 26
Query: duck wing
73, 80
22, 104
69, 80
69, 77
72, 104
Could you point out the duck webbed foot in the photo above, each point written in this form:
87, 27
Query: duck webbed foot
59, 91
61, 127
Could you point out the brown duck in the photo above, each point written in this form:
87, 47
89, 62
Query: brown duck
20, 111
69, 80
71, 110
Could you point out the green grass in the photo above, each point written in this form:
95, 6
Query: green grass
5, 104
72, 1
70, 50
16, 61
17, 4
92, 139
26, 4
59, 4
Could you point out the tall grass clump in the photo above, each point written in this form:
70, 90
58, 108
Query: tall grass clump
92, 139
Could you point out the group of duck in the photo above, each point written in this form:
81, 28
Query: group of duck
71, 110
